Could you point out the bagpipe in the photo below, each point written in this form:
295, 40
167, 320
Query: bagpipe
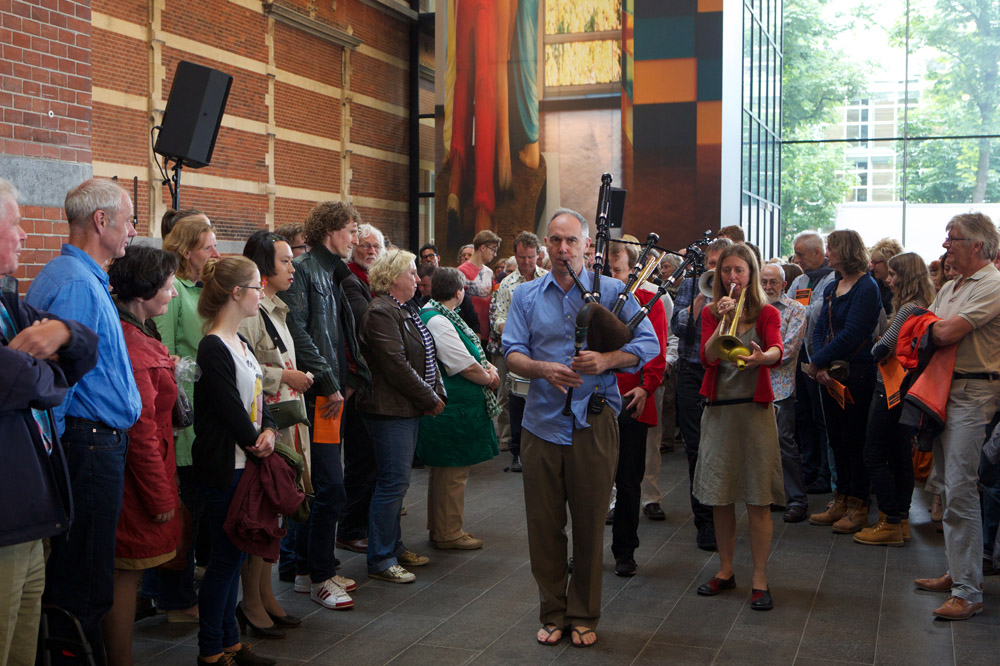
602, 328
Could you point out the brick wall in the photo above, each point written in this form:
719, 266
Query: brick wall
309, 117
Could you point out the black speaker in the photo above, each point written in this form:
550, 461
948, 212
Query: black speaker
194, 112
616, 208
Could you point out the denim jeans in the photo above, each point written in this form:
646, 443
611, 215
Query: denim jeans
810, 426
846, 428
217, 595
359, 475
888, 458
174, 590
395, 441
80, 572
316, 542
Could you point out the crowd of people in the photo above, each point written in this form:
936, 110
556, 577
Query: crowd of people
178, 421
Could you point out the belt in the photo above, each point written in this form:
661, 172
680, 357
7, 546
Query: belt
991, 376
85, 424
724, 403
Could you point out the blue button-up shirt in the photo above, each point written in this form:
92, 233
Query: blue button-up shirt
686, 325
74, 286
541, 324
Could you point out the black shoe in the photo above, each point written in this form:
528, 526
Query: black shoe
610, 518
989, 569
245, 656
146, 608
516, 465
625, 566
818, 487
260, 632
761, 600
775, 508
706, 537
666, 448
716, 585
286, 575
654, 511
286, 621
569, 566
795, 514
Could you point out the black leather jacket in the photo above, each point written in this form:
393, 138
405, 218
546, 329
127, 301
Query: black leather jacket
391, 339
316, 309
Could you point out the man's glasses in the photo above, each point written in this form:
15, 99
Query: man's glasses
370, 246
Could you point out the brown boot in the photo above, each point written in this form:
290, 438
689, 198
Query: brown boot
904, 526
835, 510
854, 518
882, 533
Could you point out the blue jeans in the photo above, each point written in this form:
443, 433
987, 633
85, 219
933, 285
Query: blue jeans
315, 543
174, 590
217, 596
80, 571
395, 441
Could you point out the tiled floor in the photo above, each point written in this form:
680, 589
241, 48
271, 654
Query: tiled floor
835, 602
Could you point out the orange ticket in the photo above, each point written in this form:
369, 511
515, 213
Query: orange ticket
326, 431
892, 375
840, 393
803, 296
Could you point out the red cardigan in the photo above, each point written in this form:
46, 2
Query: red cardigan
768, 329
150, 463
650, 376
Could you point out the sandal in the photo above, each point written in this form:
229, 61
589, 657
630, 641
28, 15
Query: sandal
550, 629
577, 634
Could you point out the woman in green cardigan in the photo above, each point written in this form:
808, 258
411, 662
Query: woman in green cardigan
193, 242
463, 434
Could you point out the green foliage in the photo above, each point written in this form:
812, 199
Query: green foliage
817, 76
963, 97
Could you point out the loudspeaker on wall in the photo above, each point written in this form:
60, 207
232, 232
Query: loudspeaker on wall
193, 115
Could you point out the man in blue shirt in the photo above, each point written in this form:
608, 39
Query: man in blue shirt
94, 418
568, 459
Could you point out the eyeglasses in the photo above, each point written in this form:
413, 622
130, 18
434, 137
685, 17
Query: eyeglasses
492, 248
370, 246
428, 257
951, 239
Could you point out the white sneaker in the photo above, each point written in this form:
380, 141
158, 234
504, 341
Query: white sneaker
394, 574
330, 594
304, 584
348, 584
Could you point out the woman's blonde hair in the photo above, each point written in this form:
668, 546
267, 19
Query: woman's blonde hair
853, 254
389, 266
185, 237
912, 282
220, 277
755, 298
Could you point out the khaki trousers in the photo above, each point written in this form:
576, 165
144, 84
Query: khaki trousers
446, 502
581, 476
22, 580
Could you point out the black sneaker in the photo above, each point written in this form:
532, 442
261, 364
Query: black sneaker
625, 566
706, 537
610, 518
516, 465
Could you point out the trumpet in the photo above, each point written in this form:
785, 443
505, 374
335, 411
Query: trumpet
729, 347
705, 284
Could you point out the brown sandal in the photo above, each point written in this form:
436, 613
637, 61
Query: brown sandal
577, 634
550, 629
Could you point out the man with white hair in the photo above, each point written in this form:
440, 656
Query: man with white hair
34, 477
970, 317
94, 419
371, 242
793, 331
808, 290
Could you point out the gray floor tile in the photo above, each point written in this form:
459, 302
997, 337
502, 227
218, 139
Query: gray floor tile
658, 654
379, 641
478, 624
433, 655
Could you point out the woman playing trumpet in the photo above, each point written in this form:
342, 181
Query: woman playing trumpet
739, 459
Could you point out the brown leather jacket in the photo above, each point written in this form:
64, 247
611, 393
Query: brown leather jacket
391, 340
